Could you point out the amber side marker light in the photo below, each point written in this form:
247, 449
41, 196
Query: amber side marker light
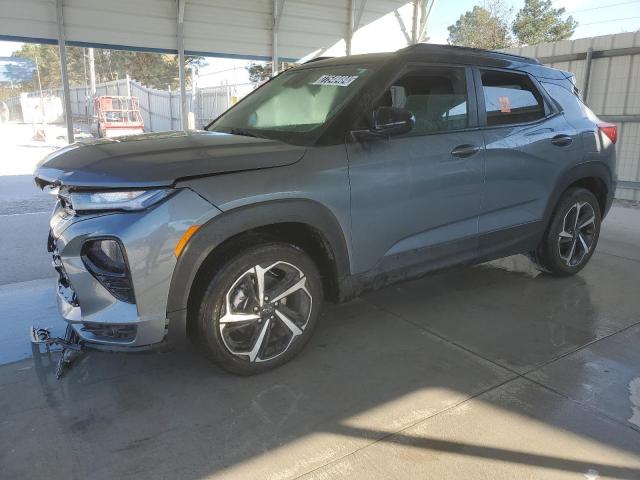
185, 239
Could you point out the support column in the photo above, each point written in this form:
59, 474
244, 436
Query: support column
92, 72
587, 74
274, 36
425, 13
63, 71
350, 26
181, 65
415, 19
355, 17
419, 19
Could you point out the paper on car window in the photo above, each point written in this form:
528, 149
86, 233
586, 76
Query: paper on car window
336, 80
505, 104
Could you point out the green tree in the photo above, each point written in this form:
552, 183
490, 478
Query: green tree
151, 69
48, 61
538, 22
484, 26
259, 72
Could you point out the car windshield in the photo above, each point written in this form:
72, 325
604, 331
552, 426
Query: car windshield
296, 102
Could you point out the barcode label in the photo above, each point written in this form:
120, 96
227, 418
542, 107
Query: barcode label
336, 80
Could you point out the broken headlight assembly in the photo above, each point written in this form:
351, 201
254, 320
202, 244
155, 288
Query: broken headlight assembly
128, 200
104, 258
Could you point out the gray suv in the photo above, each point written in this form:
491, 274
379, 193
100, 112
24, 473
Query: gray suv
337, 176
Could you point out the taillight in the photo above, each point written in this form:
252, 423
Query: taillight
610, 130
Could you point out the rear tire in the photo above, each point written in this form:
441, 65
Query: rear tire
260, 308
572, 234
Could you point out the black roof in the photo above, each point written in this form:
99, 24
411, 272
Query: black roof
437, 54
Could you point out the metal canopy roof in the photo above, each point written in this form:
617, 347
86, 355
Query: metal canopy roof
243, 28
258, 29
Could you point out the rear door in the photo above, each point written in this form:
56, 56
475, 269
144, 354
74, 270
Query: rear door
415, 197
528, 143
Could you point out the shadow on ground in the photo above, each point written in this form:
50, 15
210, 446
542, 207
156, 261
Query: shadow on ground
455, 374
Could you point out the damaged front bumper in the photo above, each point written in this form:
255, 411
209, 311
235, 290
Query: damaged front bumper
148, 238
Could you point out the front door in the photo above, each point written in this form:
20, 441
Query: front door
415, 197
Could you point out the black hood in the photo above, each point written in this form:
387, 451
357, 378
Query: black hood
159, 159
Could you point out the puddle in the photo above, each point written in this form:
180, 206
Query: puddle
592, 474
515, 264
22, 305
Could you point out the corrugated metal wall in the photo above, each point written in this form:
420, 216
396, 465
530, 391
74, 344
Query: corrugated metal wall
613, 91
231, 27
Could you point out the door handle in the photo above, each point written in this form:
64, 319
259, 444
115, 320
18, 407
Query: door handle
464, 151
562, 140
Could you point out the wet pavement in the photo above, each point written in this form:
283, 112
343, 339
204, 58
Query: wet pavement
494, 372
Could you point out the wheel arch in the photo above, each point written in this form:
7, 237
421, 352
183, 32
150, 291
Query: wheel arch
593, 176
304, 223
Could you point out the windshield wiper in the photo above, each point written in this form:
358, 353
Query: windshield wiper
241, 131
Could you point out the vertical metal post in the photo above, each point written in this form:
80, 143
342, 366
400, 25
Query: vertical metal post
92, 71
149, 109
40, 89
181, 66
587, 74
426, 13
128, 86
170, 109
85, 88
350, 26
415, 19
274, 39
194, 95
63, 71
355, 17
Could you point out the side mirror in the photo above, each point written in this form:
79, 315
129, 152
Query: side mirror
392, 120
386, 122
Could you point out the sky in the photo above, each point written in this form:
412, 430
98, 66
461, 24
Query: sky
595, 17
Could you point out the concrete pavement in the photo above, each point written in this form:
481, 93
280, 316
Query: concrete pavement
495, 371
24, 225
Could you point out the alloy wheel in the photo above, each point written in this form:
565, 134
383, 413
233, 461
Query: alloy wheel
578, 233
265, 309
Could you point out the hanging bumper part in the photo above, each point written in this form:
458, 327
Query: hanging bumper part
72, 345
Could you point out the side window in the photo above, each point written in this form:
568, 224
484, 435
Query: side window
510, 98
436, 96
568, 100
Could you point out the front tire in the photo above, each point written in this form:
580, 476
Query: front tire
260, 308
572, 234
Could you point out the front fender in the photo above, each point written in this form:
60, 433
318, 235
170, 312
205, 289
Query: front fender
242, 219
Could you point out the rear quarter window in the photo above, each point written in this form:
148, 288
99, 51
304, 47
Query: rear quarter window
570, 103
510, 98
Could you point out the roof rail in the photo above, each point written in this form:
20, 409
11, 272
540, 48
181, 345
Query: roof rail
317, 59
430, 47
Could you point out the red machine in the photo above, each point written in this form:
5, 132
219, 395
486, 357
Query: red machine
115, 116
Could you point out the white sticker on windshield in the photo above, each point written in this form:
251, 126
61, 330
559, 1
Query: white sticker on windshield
336, 80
